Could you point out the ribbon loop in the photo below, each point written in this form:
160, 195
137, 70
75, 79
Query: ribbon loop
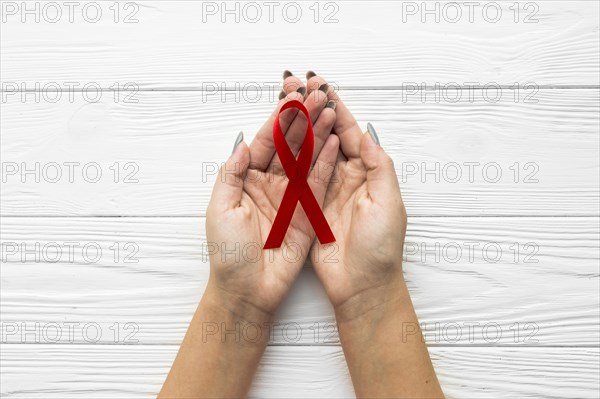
297, 189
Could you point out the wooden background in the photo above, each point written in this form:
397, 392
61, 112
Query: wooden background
519, 318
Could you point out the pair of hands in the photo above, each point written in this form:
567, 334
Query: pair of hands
354, 181
361, 271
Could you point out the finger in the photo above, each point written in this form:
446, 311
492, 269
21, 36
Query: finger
228, 189
321, 174
345, 127
314, 81
323, 128
262, 147
296, 133
291, 84
382, 181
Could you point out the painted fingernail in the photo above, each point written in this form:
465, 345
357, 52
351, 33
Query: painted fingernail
238, 140
373, 133
281, 95
287, 74
331, 104
324, 88
310, 74
302, 90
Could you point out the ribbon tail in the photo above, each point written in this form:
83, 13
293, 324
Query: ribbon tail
315, 215
282, 219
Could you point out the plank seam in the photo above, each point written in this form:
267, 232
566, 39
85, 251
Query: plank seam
345, 88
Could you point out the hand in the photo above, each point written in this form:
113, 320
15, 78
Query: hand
364, 278
364, 208
244, 203
365, 211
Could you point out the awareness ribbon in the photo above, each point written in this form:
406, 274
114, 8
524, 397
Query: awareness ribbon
297, 188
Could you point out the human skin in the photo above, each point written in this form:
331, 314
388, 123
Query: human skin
377, 324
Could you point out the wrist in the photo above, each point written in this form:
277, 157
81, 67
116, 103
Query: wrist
375, 301
220, 352
374, 317
232, 306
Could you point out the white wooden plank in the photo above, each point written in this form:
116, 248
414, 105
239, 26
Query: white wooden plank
66, 371
461, 298
382, 43
546, 152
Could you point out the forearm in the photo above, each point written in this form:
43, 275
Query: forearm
220, 352
383, 345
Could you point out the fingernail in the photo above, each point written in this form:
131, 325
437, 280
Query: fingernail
240, 138
302, 90
281, 95
310, 74
287, 74
324, 88
373, 133
331, 104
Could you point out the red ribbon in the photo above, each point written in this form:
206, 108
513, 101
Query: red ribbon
297, 188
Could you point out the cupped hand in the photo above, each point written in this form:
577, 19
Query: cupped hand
364, 208
245, 200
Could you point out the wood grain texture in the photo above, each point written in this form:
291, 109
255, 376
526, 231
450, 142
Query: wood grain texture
525, 325
462, 297
64, 371
172, 46
546, 152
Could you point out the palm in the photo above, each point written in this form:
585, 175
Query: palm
364, 216
346, 190
265, 276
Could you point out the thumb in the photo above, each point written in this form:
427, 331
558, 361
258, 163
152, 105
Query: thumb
382, 182
228, 189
